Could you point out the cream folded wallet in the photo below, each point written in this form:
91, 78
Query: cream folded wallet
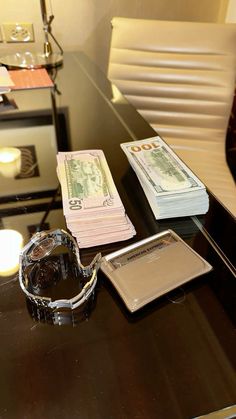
152, 267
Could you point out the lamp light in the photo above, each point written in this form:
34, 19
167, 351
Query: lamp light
11, 243
31, 60
10, 161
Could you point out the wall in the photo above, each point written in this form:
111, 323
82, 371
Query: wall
231, 12
85, 24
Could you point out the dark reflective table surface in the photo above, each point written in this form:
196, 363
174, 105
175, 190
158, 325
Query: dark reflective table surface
174, 358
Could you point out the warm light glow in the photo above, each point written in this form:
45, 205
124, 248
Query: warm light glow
10, 161
117, 97
6, 156
11, 243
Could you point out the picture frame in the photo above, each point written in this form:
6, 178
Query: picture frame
35, 136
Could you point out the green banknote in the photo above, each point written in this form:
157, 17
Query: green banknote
86, 182
159, 167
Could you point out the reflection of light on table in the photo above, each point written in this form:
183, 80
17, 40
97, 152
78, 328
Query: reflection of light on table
117, 97
10, 161
11, 242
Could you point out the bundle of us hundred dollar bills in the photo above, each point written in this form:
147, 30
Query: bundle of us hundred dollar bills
92, 207
172, 190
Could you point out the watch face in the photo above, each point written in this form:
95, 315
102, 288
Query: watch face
42, 249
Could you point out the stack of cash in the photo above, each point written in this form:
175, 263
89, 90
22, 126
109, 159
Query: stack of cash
172, 190
92, 207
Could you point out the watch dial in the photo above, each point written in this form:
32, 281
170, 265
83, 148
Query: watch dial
42, 249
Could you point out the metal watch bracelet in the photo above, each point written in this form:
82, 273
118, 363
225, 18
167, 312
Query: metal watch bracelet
40, 246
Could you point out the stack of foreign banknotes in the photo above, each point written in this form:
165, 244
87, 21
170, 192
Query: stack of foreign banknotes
172, 190
92, 207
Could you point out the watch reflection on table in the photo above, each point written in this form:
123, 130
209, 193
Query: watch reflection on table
63, 317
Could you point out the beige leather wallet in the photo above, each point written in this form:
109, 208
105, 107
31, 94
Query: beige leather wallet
151, 267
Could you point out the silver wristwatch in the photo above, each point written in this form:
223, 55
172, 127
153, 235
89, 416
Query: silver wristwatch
39, 247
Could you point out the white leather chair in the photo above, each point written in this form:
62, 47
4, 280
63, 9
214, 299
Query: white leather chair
180, 76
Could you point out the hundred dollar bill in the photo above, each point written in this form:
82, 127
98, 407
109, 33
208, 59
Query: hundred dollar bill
160, 168
179, 205
87, 184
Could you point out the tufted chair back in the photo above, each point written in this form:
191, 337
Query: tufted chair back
181, 77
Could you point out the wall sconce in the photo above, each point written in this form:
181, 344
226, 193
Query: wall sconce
10, 161
11, 243
31, 60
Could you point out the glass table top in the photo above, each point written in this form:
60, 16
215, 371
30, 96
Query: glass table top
173, 358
